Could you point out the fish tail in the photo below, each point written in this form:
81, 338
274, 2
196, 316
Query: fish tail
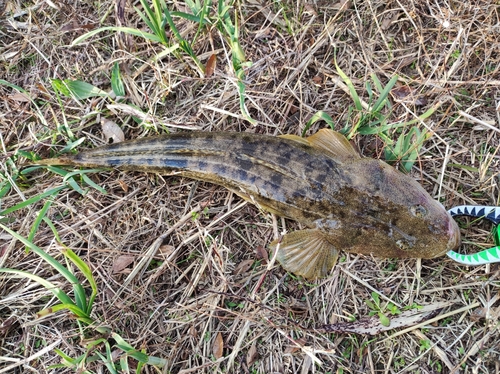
55, 161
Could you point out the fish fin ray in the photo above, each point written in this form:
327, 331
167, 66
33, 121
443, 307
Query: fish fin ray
307, 253
334, 144
295, 138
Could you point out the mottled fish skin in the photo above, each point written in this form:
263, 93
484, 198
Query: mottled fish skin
356, 204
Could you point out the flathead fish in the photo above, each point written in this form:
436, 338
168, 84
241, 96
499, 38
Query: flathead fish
347, 202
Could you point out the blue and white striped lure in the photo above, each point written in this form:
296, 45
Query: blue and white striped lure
489, 255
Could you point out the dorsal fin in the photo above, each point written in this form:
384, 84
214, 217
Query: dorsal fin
295, 138
333, 144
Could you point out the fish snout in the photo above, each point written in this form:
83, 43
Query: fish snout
454, 235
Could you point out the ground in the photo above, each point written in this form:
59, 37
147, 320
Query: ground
181, 268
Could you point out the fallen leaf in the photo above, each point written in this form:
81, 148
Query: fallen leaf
401, 92
6, 325
193, 332
344, 5
421, 101
112, 131
70, 26
218, 346
252, 354
210, 67
123, 185
121, 262
20, 96
261, 253
120, 11
166, 249
294, 348
317, 80
243, 267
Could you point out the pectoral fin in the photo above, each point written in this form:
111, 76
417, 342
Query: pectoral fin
306, 253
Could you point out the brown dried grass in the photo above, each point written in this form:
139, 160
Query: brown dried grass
189, 296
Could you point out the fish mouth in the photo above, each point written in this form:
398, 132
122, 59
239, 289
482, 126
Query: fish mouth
454, 235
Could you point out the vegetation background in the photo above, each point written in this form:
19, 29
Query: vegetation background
107, 271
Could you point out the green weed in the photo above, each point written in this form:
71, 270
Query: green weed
374, 120
157, 17
381, 310
81, 308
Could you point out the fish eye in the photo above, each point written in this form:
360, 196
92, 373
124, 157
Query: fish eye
403, 245
418, 211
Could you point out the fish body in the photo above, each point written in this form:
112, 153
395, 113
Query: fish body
347, 202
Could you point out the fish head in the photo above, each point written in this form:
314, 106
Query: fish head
401, 219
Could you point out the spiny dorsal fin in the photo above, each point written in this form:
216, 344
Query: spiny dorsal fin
306, 253
333, 144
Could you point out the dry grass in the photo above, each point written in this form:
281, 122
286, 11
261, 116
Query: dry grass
206, 288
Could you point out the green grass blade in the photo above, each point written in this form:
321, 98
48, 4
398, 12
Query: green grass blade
72, 145
139, 356
108, 362
59, 293
81, 315
173, 28
87, 273
77, 287
377, 82
350, 86
127, 30
116, 81
53, 228
38, 220
77, 89
321, 115
94, 185
72, 183
32, 200
148, 20
383, 98
189, 17
243, 107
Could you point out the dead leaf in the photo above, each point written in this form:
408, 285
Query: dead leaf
193, 332
112, 131
317, 80
121, 262
115, 354
218, 346
296, 347
252, 354
20, 96
261, 254
6, 325
421, 101
243, 267
120, 11
70, 26
210, 67
123, 185
308, 8
166, 249
343, 5
73, 25
401, 92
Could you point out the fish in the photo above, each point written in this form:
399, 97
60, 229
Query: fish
344, 201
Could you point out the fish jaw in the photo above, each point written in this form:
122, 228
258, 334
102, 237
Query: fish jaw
454, 235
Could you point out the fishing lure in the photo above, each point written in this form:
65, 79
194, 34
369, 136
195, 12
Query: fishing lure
489, 255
